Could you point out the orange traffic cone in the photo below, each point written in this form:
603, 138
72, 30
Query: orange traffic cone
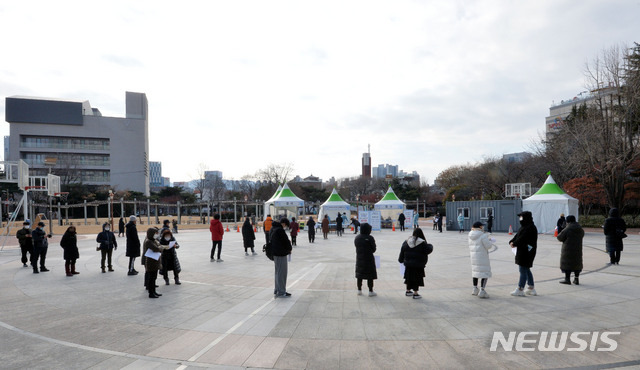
393, 227
237, 228
255, 229
227, 228
351, 228
555, 233
510, 230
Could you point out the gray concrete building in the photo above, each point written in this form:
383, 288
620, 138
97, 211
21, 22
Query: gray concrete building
74, 141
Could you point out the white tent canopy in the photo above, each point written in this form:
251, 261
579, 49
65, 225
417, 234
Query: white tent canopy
283, 204
390, 206
547, 204
334, 205
269, 202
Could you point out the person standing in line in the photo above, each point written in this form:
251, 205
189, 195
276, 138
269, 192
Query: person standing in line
26, 242
40, 247
152, 265
339, 225
461, 222
311, 229
479, 248
248, 237
108, 243
281, 247
414, 254
489, 220
401, 219
293, 230
416, 218
436, 218
121, 227
356, 224
170, 260
439, 222
69, 244
561, 223
165, 226
216, 236
614, 230
266, 225
365, 261
133, 244
325, 226
571, 253
526, 243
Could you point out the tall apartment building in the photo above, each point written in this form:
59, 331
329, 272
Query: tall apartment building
72, 139
366, 164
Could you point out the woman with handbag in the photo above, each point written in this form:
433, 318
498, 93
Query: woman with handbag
614, 230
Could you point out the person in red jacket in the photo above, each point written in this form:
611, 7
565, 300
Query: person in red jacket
216, 236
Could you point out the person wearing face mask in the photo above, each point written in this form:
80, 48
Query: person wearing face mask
170, 260
25, 240
107, 243
151, 264
69, 243
526, 243
40, 247
133, 244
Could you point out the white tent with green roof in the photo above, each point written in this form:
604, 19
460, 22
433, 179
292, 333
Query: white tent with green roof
390, 206
283, 204
270, 201
334, 205
547, 204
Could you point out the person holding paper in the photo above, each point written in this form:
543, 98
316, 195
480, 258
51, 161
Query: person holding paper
281, 246
526, 244
365, 261
151, 259
414, 254
479, 246
170, 260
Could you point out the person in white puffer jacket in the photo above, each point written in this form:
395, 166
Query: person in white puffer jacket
479, 247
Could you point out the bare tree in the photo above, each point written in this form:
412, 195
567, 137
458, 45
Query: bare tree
200, 177
275, 173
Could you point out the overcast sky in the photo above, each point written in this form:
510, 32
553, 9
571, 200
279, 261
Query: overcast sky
238, 85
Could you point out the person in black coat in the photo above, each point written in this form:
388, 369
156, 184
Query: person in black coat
40, 247
414, 254
561, 223
69, 243
365, 261
108, 243
24, 238
121, 227
489, 220
170, 261
571, 253
614, 230
339, 225
356, 224
311, 229
281, 248
133, 244
439, 222
526, 243
248, 237
401, 219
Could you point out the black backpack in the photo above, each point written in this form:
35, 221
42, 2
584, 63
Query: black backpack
268, 250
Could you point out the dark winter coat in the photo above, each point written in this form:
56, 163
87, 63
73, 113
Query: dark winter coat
25, 242
121, 226
69, 243
150, 242
339, 222
415, 252
561, 224
614, 226
280, 243
365, 247
106, 239
571, 254
248, 235
39, 239
311, 226
526, 236
401, 218
133, 241
170, 261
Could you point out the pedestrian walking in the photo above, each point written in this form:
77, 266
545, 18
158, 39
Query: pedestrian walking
439, 222
40, 247
133, 244
216, 237
479, 248
248, 237
325, 226
121, 227
414, 255
293, 230
281, 247
401, 219
106, 244
170, 261
69, 243
365, 261
26, 242
571, 253
526, 244
174, 223
311, 229
615, 230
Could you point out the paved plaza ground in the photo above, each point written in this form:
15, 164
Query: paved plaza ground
224, 314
